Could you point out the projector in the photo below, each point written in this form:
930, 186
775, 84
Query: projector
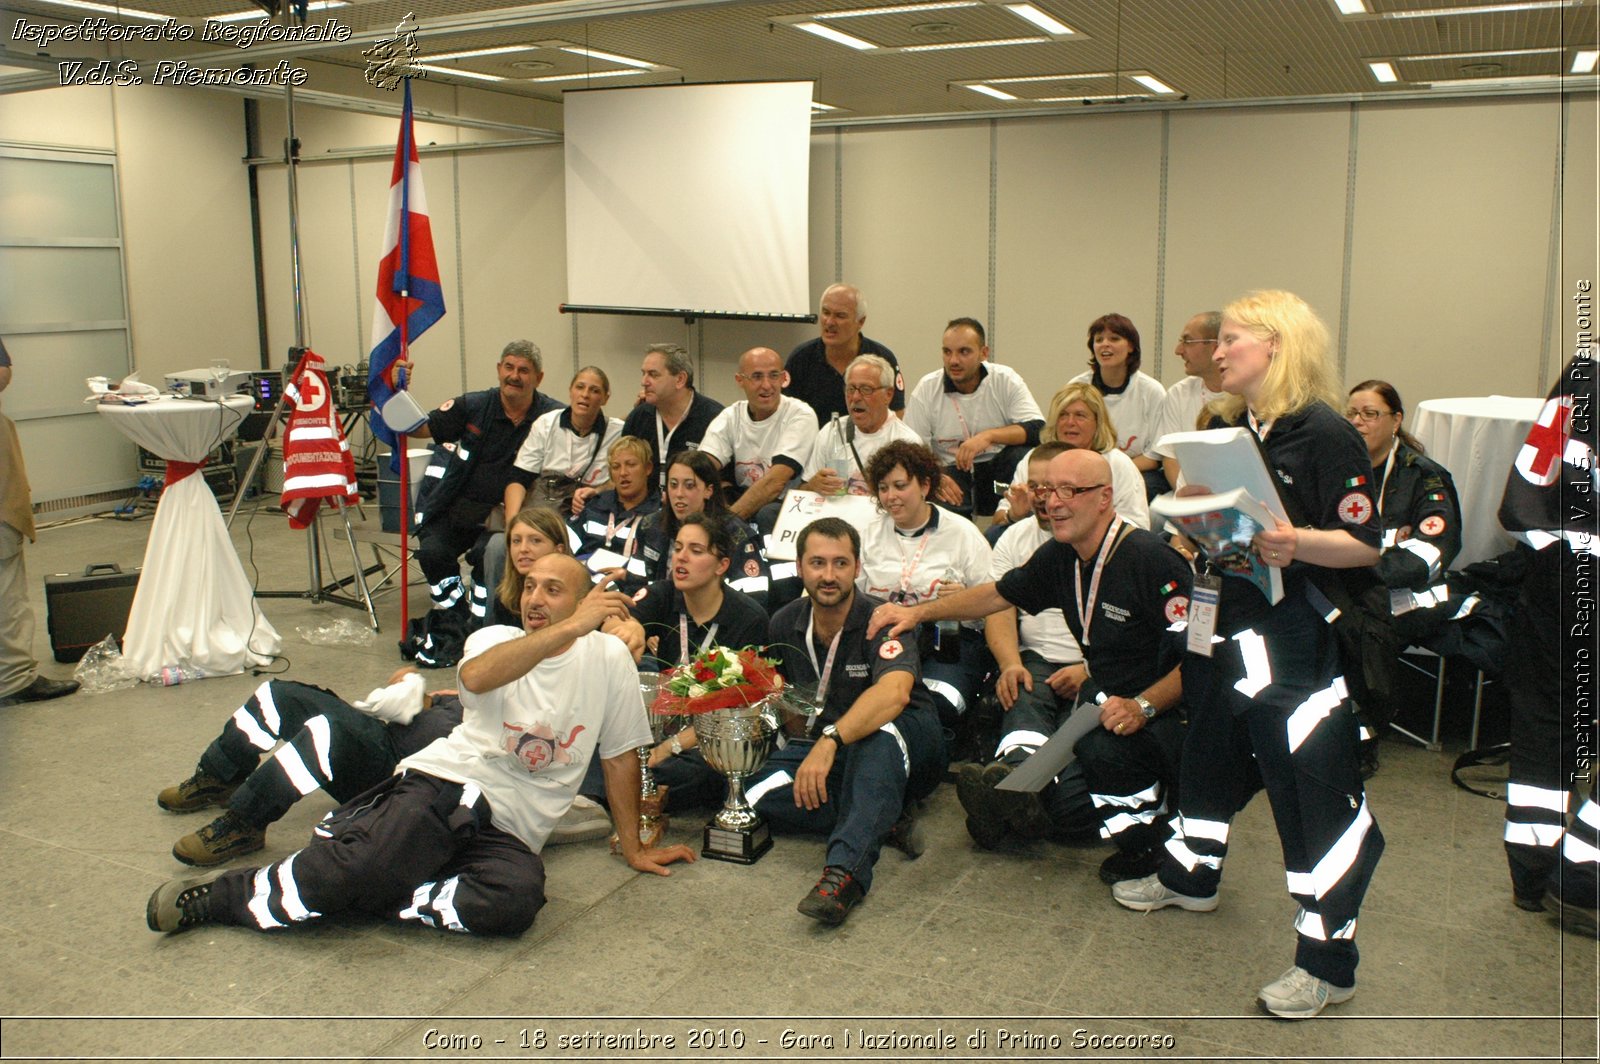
207, 383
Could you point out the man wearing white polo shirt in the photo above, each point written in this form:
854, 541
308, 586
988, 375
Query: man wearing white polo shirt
765, 437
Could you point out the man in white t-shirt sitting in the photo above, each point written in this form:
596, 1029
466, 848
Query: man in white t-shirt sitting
766, 436
979, 418
838, 462
1201, 384
453, 839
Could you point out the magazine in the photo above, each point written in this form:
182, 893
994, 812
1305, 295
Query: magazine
1223, 525
1222, 459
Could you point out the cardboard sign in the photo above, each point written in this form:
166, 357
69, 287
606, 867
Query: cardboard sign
800, 508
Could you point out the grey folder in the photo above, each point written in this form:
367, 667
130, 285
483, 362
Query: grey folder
1048, 761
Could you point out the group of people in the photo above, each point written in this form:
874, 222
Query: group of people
1074, 615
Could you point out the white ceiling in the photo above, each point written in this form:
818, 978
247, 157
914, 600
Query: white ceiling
1208, 51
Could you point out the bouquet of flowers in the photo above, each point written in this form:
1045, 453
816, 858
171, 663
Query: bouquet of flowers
718, 678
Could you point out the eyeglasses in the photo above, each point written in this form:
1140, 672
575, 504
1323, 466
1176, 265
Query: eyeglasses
1066, 492
1187, 340
862, 389
1366, 415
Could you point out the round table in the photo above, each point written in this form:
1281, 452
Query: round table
194, 607
1476, 439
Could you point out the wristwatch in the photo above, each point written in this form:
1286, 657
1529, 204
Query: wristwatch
677, 747
1145, 707
832, 732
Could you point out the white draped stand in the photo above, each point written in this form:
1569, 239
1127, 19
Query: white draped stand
194, 606
1476, 439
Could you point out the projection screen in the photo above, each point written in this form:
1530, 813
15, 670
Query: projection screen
689, 199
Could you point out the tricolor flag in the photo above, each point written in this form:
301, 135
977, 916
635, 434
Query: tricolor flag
409, 296
317, 463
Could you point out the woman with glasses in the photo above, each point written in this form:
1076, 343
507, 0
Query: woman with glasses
915, 550
1265, 690
1416, 497
1078, 417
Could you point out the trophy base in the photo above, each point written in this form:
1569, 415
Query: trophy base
739, 847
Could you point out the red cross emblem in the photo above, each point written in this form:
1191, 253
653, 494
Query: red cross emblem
1539, 461
1431, 525
1355, 508
1177, 609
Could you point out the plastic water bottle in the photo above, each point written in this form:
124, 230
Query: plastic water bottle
176, 674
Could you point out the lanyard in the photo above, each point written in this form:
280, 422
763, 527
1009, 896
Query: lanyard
612, 528
581, 471
825, 670
1388, 467
683, 638
1086, 609
907, 570
663, 434
966, 431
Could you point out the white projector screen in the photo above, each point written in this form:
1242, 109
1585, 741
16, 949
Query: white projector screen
689, 198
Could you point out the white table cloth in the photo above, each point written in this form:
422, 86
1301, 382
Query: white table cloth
194, 606
1476, 439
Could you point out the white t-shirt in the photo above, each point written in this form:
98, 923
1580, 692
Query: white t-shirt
1127, 488
552, 447
944, 419
1135, 411
832, 451
1046, 634
949, 548
1179, 410
527, 745
787, 435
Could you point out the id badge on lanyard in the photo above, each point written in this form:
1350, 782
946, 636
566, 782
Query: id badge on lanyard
1204, 599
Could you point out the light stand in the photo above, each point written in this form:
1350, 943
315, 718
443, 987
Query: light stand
316, 590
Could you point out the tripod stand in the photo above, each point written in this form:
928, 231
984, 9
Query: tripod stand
316, 590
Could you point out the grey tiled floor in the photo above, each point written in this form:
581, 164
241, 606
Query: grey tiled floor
961, 940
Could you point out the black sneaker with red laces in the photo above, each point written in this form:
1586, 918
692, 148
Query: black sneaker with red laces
831, 900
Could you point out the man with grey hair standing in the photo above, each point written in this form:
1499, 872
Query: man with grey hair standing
463, 490
671, 415
816, 368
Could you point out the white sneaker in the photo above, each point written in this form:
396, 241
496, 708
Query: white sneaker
1299, 995
1150, 893
585, 820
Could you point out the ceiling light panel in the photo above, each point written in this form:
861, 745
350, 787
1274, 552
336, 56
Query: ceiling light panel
828, 33
1584, 62
990, 90
591, 74
456, 72
1384, 73
946, 46
1042, 20
610, 57
899, 9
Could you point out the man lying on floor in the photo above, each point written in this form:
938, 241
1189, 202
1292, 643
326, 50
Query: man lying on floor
453, 839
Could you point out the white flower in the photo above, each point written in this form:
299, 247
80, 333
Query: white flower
696, 690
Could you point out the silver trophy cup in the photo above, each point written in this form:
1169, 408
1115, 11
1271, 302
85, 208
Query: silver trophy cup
652, 801
736, 742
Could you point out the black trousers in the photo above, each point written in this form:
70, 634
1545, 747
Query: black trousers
1133, 779
440, 545
413, 848
1549, 674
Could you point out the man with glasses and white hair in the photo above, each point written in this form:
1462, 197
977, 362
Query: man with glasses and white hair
817, 367
671, 415
1125, 597
846, 444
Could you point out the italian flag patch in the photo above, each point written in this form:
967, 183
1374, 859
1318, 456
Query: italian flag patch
1355, 482
1168, 588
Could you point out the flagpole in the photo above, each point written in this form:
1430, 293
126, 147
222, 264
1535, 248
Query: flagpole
401, 441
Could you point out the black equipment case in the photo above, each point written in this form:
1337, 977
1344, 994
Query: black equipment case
84, 609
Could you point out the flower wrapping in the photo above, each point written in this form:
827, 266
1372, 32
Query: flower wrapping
718, 678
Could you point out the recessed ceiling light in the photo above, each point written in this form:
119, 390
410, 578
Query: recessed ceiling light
947, 45
1384, 72
1351, 7
532, 64
1584, 62
1480, 9
472, 52
818, 105
899, 9
1508, 82
609, 57
593, 74
457, 72
990, 90
1049, 77
114, 10
1039, 18
254, 13
828, 33
1154, 84
1481, 55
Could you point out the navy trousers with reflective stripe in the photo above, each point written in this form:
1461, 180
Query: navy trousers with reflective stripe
1552, 721
1039, 713
415, 848
1132, 780
328, 745
1291, 734
867, 789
